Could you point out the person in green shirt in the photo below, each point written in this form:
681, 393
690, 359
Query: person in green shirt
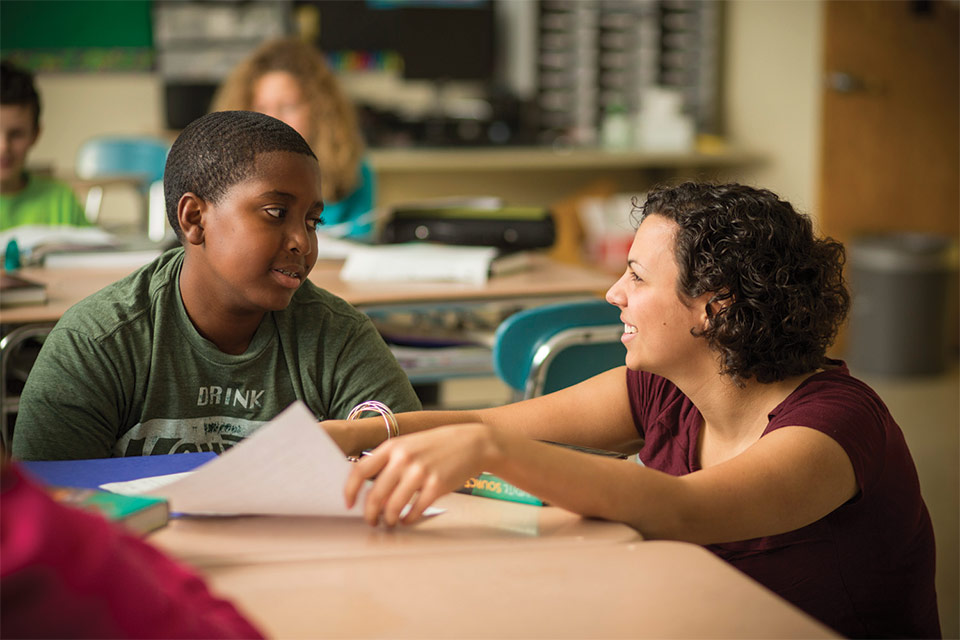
25, 198
198, 349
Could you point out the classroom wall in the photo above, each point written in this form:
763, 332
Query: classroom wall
774, 59
771, 101
79, 106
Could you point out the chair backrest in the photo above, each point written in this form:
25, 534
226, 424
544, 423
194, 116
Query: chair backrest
546, 348
9, 405
122, 156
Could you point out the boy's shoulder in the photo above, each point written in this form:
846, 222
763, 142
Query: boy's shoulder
42, 188
39, 186
128, 300
43, 182
310, 296
327, 314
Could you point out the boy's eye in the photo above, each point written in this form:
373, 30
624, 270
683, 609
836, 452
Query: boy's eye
315, 222
276, 212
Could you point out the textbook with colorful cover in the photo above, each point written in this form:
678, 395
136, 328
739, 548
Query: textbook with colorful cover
490, 486
140, 514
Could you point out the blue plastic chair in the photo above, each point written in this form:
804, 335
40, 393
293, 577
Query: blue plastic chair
137, 157
122, 156
544, 349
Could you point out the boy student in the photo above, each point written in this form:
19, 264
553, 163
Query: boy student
27, 199
204, 345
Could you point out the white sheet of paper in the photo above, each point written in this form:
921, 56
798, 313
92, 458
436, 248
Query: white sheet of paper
419, 262
289, 466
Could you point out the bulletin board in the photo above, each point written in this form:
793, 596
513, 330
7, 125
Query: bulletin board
77, 35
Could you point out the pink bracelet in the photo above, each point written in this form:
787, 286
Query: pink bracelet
393, 428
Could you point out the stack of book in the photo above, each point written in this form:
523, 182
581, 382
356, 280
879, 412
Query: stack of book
16, 290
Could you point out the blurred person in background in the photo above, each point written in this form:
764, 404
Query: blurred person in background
27, 198
288, 79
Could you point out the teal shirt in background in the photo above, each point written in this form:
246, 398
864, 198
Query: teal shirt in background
44, 201
352, 217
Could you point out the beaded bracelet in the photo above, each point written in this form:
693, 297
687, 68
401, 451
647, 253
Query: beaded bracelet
393, 428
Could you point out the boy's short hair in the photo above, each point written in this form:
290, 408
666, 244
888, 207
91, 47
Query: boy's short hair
218, 150
17, 88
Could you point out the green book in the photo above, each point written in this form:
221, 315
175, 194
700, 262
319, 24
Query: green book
139, 514
490, 486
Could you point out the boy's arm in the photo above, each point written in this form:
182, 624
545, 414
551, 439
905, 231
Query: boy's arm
69, 406
78, 215
58, 204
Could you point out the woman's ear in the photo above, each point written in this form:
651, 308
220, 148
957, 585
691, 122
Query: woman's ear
717, 304
190, 212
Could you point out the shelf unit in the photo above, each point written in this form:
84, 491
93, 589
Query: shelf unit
547, 158
539, 175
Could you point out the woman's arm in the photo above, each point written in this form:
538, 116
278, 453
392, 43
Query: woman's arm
560, 416
788, 479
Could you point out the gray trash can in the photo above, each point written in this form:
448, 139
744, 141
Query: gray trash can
900, 319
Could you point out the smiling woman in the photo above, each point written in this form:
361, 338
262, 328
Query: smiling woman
753, 442
128, 369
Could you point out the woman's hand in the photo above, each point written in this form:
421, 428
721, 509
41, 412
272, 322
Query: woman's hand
418, 468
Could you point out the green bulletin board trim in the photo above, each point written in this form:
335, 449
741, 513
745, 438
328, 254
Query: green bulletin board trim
115, 59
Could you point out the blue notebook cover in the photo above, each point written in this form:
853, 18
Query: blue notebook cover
90, 474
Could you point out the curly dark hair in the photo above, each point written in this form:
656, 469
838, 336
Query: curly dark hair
779, 292
17, 87
218, 150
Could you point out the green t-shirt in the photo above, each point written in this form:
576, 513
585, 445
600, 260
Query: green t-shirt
44, 201
126, 373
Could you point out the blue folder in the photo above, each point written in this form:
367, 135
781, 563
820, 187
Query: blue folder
90, 474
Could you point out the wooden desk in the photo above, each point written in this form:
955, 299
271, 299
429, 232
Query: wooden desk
485, 568
470, 523
66, 287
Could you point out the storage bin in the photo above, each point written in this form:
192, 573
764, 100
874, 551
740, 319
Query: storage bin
903, 285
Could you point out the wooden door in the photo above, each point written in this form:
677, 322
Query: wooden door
890, 138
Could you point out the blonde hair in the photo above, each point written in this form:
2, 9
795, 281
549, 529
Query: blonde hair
337, 141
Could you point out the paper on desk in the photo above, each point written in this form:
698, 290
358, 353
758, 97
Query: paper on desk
100, 259
289, 466
419, 262
31, 236
333, 247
